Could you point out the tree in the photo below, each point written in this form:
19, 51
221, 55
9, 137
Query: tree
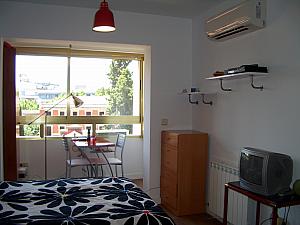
31, 130
80, 93
116, 66
28, 104
121, 91
101, 91
120, 100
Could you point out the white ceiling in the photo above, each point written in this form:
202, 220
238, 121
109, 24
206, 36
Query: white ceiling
177, 8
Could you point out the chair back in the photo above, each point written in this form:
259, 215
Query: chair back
66, 147
120, 143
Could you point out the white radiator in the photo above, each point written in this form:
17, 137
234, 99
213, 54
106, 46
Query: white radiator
219, 174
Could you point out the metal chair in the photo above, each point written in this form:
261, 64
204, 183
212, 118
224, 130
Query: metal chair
117, 160
74, 162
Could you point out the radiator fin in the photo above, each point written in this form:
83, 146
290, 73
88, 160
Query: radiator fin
219, 175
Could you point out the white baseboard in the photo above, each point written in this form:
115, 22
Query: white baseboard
134, 175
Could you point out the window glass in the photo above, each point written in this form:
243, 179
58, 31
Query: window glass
109, 129
109, 89
106, 86
41, 81
49, 130
76, 130
28, 130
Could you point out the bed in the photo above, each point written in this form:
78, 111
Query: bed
105, 201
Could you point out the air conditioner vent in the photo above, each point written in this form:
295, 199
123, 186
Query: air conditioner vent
231, 32
243, 18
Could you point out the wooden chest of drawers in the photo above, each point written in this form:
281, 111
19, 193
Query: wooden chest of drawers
183, 171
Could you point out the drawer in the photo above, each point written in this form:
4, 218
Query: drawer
168, 174
168, 186
170, 139
169, 201
169, 159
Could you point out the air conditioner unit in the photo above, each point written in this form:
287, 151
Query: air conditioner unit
243, 18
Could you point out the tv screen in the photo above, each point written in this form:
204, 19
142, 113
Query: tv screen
251, 168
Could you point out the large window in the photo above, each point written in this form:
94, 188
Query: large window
109, 84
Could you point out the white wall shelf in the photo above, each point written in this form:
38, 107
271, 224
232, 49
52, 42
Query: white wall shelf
190, 94
238, 76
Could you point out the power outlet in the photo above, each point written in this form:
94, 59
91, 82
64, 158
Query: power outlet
23, 164
164, 122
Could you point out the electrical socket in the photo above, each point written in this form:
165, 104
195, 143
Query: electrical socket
164, 122
23, 164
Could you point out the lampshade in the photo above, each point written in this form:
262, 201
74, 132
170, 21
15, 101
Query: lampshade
77, 101
104, 19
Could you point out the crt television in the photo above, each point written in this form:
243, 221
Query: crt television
266, 173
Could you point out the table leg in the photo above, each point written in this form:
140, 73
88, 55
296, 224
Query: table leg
274, 216
257, 213
225, 206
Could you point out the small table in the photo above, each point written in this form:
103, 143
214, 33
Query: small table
275, 202
98, 148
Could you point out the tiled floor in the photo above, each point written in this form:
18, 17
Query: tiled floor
201, 219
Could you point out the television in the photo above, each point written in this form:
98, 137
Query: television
264, 172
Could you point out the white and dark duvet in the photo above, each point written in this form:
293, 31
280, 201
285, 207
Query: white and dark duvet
105, 201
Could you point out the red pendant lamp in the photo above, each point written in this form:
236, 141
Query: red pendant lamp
104, 19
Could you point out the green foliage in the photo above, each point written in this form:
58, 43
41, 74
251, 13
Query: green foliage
31, 130
121, 91
120, 101
101, 91
116, 67
80, 93
28, 104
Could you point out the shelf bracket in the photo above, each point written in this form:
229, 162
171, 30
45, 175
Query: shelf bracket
190, 100
205, 102
224, 89
256, 87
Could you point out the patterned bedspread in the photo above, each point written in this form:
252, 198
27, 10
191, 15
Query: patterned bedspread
105, 201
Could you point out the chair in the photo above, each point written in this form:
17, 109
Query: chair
117, 160
74, 162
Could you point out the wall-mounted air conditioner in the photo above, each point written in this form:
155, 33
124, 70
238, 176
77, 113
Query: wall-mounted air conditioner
243, 18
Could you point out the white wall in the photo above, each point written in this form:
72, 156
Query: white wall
244, 117
169, 41
267, 119
32, 152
